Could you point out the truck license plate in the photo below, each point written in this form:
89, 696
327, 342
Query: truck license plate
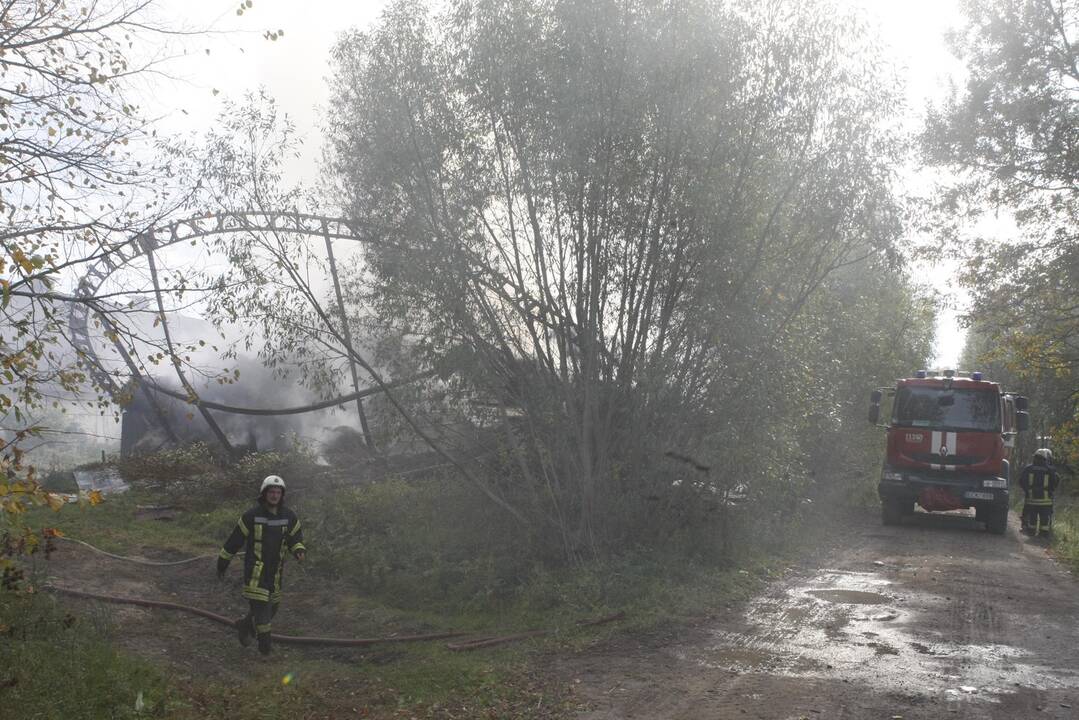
978, 495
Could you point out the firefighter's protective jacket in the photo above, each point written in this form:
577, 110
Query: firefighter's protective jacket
264, 535
1039, 483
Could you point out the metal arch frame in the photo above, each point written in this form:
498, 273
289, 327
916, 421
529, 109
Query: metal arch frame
236, 221
153, 239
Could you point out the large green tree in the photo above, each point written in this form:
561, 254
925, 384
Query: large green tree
616, 216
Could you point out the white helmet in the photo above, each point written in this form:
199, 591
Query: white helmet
1045, 454
272, 481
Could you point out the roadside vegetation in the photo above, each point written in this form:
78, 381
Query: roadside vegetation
397, 556
1066, 530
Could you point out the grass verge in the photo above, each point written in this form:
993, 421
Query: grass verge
54, 664
114, 525
1065, 543
380, 562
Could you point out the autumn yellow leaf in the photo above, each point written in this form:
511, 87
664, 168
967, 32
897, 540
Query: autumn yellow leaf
24, 262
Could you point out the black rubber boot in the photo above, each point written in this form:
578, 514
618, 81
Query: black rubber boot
265, 643
245, 630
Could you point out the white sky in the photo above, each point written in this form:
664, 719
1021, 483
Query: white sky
294, 69
914, 31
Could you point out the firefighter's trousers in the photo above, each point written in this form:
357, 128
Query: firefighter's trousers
259, 615
1038, 517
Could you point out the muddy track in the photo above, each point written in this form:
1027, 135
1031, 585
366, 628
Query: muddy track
931, 619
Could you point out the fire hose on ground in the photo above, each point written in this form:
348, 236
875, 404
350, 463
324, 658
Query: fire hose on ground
473, 644
139, 561
287, 639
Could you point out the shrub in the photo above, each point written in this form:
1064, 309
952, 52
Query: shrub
412, 541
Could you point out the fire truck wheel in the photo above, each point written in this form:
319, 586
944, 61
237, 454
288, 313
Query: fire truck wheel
891, 511
996, 520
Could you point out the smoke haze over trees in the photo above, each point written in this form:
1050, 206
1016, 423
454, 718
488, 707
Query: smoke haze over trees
651, 229
653, 254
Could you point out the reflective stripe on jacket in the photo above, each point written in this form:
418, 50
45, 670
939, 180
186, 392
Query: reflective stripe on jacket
265, 536
1039, 483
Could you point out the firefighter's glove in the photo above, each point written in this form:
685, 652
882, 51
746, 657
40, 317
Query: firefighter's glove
222, 566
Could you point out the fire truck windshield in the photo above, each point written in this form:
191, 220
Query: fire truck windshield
951, 409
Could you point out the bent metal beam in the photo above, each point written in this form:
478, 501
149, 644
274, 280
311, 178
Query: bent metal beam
114, 258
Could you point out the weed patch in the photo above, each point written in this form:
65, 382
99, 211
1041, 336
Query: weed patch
115, 525
1066, 532
57, 665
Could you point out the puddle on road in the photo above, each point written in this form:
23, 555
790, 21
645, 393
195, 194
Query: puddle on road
850, 597
797, 614
856, 578
842, 625
739, 654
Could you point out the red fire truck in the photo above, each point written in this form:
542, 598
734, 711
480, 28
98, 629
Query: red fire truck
950, 439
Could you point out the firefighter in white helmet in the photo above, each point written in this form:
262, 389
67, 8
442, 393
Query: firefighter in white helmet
1039, 482
266, 533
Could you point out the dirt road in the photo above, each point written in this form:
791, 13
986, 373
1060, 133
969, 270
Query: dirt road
933, 619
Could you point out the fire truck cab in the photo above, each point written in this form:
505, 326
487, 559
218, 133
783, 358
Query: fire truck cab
950, 440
